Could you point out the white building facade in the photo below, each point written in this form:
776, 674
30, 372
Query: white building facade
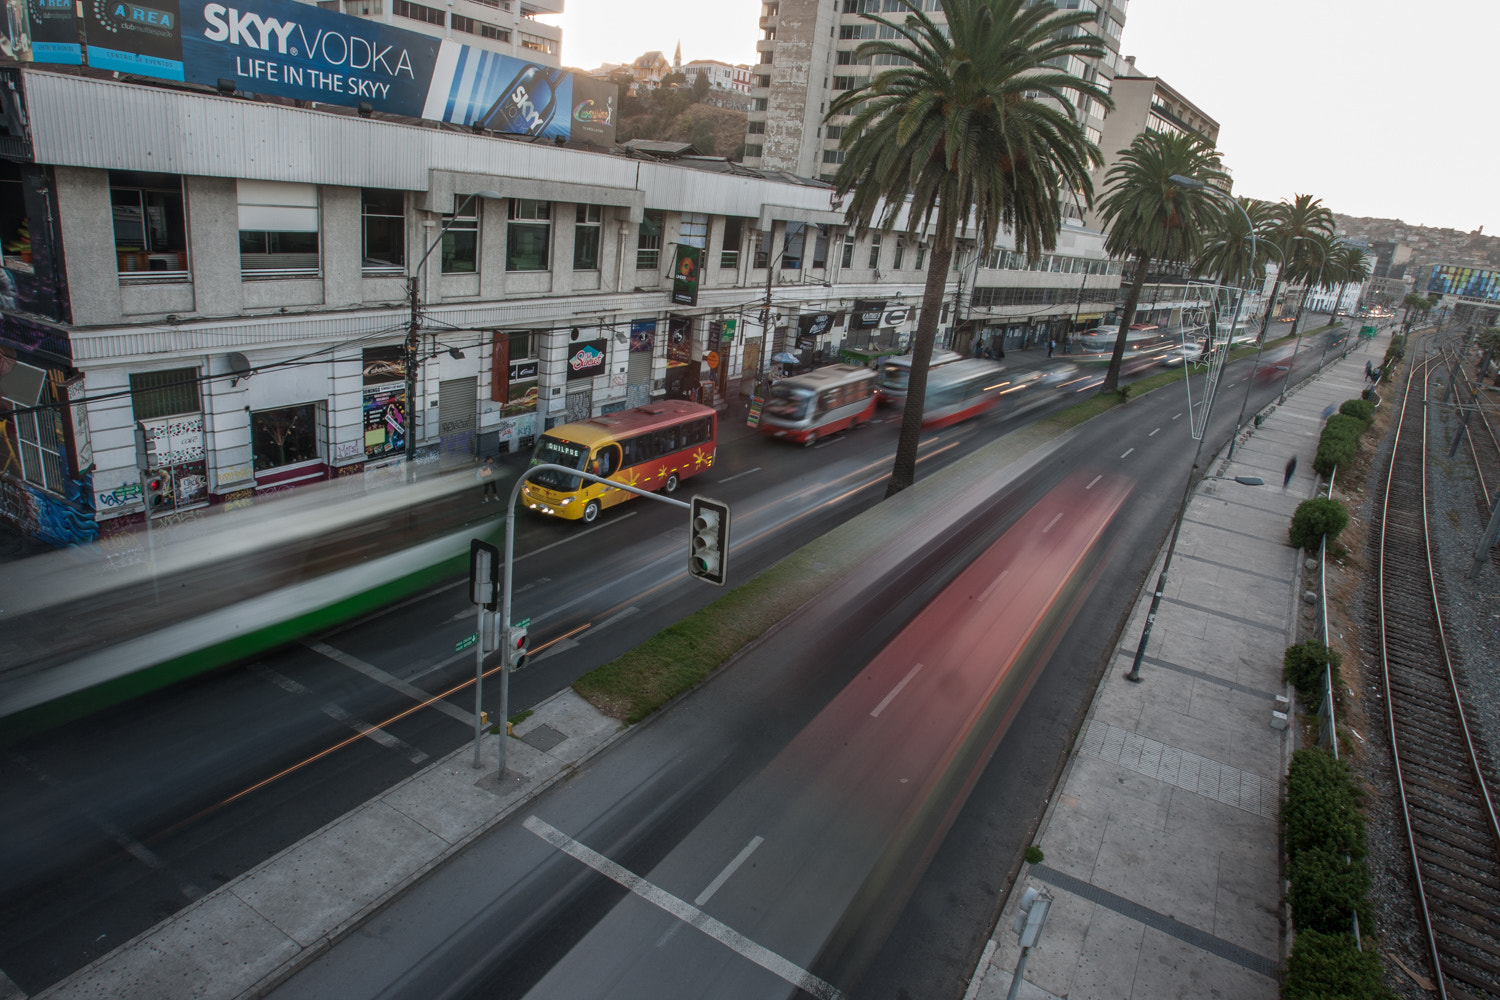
509, 27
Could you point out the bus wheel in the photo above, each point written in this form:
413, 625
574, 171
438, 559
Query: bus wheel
671, 486
591, 512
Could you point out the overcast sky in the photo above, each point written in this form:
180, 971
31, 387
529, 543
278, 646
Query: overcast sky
1371, 105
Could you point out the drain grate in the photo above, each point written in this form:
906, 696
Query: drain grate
544, 737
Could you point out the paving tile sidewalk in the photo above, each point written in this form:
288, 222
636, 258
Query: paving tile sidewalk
1161, 847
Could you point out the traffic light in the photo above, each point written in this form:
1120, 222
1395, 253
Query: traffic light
708, 558
1031, 916
515, 646
157, 488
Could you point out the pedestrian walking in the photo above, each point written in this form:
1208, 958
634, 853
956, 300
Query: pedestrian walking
486, 477
1051, 346
1291, 470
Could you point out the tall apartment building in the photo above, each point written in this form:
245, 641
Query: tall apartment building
508, 27
807, 58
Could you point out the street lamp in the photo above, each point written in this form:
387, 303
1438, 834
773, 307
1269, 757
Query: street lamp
413, 331
1296, 345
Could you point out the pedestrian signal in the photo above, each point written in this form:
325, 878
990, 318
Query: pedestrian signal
156, 491
515, 646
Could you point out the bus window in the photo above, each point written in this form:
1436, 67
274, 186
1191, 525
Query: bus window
607, 462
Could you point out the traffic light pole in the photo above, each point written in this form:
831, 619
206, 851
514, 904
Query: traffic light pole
505, 588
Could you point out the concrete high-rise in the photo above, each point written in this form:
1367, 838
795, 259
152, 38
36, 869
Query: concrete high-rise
505, 26
807, 58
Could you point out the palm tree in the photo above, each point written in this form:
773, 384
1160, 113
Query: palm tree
972, 124
1413, 301
1227, 249
1293, 225
1152, 218
1318, 249
1350, 264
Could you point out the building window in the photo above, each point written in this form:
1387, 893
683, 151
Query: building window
752, 150
694, 230
150, 226
875, 250
384, 223
278, 229
762, 249
900, 254
755, 128
648, 240
921, 252
758, 104
820, 249
284, 436
833, 156
523, 354
418, 12
763, 81
528, 235
834, 132
38, 437
791, 246
165, 393
729, 253
461, 240
535, 44
848, 258
586, 237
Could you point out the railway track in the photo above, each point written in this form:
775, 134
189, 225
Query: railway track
1481, 442
1449, 815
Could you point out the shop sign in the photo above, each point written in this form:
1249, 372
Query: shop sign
867, 313
897, 316
680, 338
642, 336
587, 359
726, 333
685, 275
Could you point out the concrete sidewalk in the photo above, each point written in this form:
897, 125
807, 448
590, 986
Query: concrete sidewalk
1161, 848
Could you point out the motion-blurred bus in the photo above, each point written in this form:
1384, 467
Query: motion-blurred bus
962, 390
652, 447
804, 408
895, 374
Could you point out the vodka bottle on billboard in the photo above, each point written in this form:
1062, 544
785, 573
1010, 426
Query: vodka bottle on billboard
525, 106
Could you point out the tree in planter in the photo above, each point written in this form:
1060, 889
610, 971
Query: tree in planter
971, 125
1303, 666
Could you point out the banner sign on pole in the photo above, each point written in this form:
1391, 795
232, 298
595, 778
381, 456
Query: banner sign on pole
685, 275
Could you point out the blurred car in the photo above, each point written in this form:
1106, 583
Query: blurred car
1178, 356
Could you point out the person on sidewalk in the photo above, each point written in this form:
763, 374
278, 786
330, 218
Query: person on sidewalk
1291, 470
486, 476
1051, 346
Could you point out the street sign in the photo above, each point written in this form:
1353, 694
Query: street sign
466, 642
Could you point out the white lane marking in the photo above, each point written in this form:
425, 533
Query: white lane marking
1092, 482
1176, 417
729, 870
395, 683
1055, 518
737, 475
126, 842
617, 616
686, 912
1154, 433
1127, 453
340, 715
895, 691
993, 584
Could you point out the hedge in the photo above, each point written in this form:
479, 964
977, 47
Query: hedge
1326, 888
1302, 666
1331, 967
1322, 806
1360, 409
1315, 518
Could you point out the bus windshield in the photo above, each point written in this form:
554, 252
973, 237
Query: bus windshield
895, 376
788, 403
556, 451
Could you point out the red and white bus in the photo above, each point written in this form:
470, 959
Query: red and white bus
652, 447
962, 390
895, 374
824, 401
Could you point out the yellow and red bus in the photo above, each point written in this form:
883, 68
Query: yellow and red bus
652, 447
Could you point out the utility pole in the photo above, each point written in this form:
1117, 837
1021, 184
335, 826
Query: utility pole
412, 334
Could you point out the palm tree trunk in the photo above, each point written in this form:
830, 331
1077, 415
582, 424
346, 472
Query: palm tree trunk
1127, 316
904, 471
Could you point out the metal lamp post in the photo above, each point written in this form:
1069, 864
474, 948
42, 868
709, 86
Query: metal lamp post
413, 331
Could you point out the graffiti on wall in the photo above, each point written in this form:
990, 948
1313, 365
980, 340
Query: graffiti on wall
59, 522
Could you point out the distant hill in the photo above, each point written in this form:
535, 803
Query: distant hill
1430, 245
715, 131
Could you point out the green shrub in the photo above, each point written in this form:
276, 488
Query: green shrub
1331, 967
1327, 889
1360, 409
1315, 518
1302, 666
1322, 806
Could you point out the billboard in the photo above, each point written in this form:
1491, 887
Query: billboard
1473, 282
294, 50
